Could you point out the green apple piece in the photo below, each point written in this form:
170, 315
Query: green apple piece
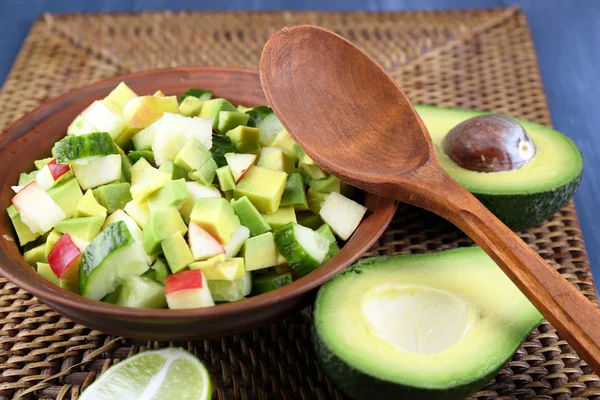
326, 185
135, 155
190, 106
315, 200
215, 216
102, 119
35, 255
206, 174
196, 191
276, 159
117, 99
51, 240
173, 193
141, 112
85, 228
113, 196
219, 268
309, 219
263, 187
294, 193
24, 234
41, 163
177, 252
146, 180
161, 224
139, 212
229, 120
126, 165
228, 291
143, 139
174, 132
212, 108
142, 292
260, 252
245, 139
282, 216
67, 195
193, 155
284, 141
342, 214
99, 171
225, 177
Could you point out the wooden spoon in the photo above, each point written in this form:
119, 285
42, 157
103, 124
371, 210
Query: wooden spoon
353, 119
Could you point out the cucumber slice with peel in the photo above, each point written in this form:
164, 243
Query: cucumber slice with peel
270, 281
304, 249
99, 171
83, 148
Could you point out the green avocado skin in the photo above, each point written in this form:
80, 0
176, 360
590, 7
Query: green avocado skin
523, 211
361, 386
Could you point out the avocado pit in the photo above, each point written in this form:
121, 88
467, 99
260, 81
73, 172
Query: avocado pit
489, 143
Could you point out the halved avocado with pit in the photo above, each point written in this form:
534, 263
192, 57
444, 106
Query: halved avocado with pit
522, 197
419, 327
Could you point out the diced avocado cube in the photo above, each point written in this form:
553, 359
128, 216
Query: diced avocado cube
312, 170
36, 255
229, 120
177, 252
282, 216
88, 206
175, 171
85, 227
146, 180
249, 216
309, 219
26, 178
260, 252
245, 139
206, 174
196, 191
135, 155
39, 164
219, 268
67, 195
113, 196
119, 96
225, 177
161, 224
212, 108
193, 155
141, 292
23, 232
51, 241
315, 200
263, 187
158, 271
46, 272
298, 152
174, 193
139, 212
276, 159
294, 194
216, 216
190, 106
326, 185
283, 140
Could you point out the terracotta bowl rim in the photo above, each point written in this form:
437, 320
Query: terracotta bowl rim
56, 296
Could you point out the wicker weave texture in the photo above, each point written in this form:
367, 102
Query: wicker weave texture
472, 59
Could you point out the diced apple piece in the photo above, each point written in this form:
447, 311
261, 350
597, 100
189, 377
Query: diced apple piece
104, 119
37, 209
196, 191
239, 164
117, 99
202, 243
187, 289
239, 237
342, 214
141, 112
50, 174
173, 131
81, 126
64, 258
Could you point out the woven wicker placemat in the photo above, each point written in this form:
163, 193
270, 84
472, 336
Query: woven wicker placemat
472, 59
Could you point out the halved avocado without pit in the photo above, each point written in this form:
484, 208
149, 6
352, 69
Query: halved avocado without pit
419, 327
522, 197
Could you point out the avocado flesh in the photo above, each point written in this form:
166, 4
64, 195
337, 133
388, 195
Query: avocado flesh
431, 326
524, 197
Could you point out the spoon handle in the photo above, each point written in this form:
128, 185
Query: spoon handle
575, 317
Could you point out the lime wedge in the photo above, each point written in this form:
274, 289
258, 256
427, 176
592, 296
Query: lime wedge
171, 373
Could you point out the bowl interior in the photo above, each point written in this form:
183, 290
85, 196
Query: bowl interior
33, 136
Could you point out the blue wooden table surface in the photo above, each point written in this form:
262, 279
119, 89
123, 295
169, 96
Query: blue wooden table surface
566, 34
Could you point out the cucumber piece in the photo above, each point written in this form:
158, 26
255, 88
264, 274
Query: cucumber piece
309, 219
24, 234
113, 196
201, 94
325, 231
294, 193
304, 249
135, 155
141, 292
229, 120
174, 131
39, 164
326, 185
267, 123
270, 281
99, 171
225, 177
221, 145
235, 290
110, 259
315, 200
158, 271
126, 166
83, 148
113, 297
26, 178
